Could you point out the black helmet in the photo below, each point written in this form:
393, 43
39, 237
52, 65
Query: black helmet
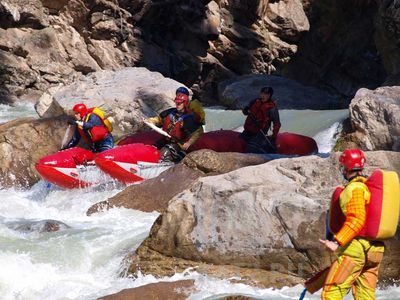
267, 90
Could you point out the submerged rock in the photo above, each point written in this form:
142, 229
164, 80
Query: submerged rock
177, 290
38, 226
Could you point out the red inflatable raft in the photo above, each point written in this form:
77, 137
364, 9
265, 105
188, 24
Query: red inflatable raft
135, 159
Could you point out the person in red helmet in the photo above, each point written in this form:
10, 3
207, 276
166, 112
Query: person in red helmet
93, 126
261, 114
359, 258
181, 124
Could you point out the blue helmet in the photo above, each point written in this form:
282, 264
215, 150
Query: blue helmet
182, 90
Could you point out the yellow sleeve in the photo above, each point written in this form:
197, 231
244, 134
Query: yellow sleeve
197, 108
355, 217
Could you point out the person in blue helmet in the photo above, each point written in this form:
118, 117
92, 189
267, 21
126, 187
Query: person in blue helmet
194, 106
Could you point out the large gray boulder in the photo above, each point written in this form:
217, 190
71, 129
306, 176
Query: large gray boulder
290, 94
126, 95
375, 116
268, 216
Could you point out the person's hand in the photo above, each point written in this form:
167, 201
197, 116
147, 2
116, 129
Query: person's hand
185, 146
79, 123
245, 111
332, 246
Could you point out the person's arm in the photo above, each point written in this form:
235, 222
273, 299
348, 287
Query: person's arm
275, 121
92, 122
246, 109
355, 218
193, 138
73, 141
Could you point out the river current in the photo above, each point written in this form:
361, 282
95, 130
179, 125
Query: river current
84, 259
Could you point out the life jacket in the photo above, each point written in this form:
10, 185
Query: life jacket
258, 117
198, 111
173, 125
96, 133
382, 210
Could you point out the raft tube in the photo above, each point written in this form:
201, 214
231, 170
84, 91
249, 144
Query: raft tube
61, 168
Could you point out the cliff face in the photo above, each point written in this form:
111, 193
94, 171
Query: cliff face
351, 44
43, 42
198, 42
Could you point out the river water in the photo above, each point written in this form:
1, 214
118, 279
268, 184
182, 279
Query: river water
83, 260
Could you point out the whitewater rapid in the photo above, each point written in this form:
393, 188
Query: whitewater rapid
84, 259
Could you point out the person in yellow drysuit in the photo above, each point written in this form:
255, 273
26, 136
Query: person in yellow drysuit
357, 263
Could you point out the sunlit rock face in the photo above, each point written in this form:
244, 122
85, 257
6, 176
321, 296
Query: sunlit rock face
44, 43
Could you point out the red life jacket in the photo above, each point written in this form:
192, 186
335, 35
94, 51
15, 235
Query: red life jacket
173, 126
382, 209
96, 133
258, 110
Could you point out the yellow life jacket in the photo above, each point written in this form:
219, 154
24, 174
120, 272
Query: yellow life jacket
197, 108
101, 114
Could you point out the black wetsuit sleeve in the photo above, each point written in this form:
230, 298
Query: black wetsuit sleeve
74, 140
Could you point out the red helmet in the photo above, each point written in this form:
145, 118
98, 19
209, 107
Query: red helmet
80, 108
352, 159
181, 98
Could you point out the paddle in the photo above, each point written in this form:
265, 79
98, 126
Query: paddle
155, 128
67, 135
254, 119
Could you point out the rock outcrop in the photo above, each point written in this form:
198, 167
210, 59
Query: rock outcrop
23, 142
350, 45
374, 122
267, 217
154, 194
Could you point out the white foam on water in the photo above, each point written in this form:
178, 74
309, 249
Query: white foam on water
78, 262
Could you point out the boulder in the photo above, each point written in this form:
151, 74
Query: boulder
178, 290
289, 94
375, 117
126, 95
268, 217
23, 142
154, 194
